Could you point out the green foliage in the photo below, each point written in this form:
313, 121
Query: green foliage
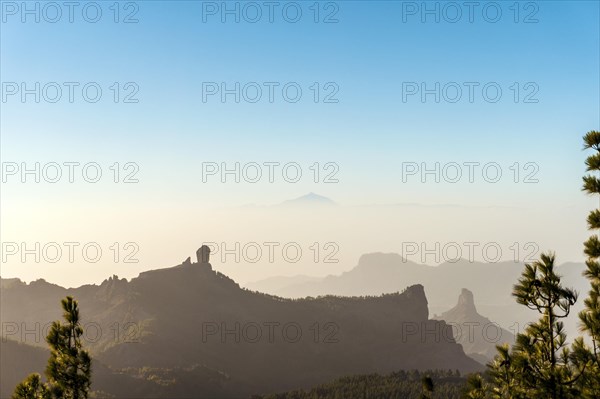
427, 383
477, 387
591, 140
591, 184
69, 366
32, 388
413, 384
503, 376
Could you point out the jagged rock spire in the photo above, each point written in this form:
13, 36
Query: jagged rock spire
203, 254
465, 300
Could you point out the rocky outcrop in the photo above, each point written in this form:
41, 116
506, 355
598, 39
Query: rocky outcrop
476, 333
203, 255
184, 316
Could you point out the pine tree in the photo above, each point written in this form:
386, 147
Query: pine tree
32, 388
69, 366
502, 373
590, 316
477, 387
540, 365
540, 355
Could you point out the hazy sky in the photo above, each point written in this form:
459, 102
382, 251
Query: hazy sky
368, 128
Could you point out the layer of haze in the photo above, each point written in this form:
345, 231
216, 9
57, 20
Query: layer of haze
369, 134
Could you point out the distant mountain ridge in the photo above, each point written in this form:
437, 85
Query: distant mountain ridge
378, 273
310, 199
190, 316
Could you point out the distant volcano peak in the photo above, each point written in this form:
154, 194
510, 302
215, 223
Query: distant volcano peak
310, 199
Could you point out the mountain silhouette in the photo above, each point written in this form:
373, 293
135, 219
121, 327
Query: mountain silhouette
310, 199
477, 334
379, 273
234, 342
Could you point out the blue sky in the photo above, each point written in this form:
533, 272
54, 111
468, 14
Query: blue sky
367, 54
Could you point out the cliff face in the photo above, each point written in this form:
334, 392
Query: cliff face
191, 316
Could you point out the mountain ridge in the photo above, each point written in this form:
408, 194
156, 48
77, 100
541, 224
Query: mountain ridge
377, 273
190, 315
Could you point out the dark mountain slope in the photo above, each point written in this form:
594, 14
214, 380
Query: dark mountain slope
190, 317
